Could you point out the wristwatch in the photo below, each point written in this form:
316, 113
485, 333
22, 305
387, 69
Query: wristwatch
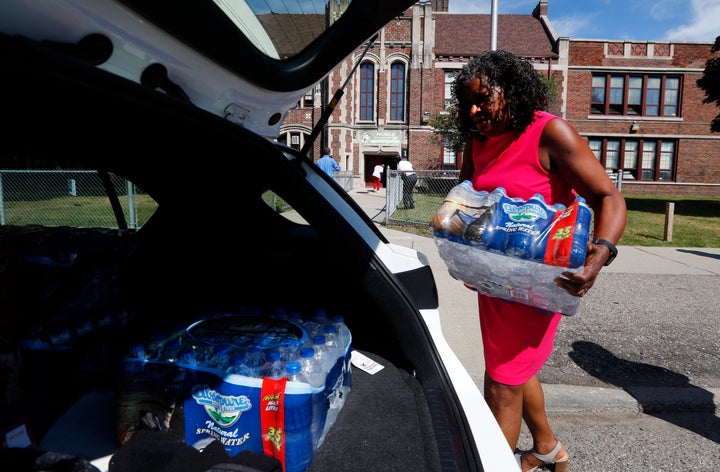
609, 245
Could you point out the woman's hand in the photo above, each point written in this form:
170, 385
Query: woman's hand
578, 284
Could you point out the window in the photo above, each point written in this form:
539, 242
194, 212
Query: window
449, 80
367, 92
641, 95
641, 159
397, 92
449, 158
309, 98
294, 139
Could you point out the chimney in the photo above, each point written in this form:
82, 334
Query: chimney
541, 9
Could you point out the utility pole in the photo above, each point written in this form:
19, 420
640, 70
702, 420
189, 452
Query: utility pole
493, 25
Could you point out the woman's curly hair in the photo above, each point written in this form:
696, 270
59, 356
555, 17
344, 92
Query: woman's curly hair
525, 91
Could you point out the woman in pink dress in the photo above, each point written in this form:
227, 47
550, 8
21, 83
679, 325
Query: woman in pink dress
512, 142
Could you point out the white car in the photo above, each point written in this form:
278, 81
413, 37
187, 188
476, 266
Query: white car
180, 101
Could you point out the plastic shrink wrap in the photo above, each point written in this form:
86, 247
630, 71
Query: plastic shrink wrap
512, 248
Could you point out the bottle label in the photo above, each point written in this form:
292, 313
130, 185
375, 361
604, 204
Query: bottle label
272, 418
566, 247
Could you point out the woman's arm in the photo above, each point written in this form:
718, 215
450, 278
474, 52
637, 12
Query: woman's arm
567, 153
466, 172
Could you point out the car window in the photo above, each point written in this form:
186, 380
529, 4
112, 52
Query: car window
70, 197
281, 28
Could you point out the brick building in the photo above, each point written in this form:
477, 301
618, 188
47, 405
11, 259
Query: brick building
636, 102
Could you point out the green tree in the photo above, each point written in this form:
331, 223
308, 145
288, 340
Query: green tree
710, 83
445, 130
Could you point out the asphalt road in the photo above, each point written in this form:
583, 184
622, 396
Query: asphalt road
633, 383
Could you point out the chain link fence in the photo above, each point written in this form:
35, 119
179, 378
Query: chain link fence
76, 198
415, 201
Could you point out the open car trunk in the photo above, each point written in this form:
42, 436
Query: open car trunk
213, 246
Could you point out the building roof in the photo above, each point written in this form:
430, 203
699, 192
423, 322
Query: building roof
469, 34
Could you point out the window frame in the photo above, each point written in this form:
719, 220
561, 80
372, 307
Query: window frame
398, 91
366, 107
617, 95
651, 160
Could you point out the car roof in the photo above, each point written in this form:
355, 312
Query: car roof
249, 61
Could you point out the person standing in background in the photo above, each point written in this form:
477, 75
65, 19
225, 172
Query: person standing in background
327, 164
377, 176
512, 142
409, 179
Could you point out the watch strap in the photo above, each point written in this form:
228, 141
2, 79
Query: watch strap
610, 246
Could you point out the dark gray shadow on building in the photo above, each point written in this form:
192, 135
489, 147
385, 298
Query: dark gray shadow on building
661, 392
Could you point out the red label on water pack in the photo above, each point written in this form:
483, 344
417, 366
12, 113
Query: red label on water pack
560, 239
272, 418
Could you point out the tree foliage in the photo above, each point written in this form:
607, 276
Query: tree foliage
710, 84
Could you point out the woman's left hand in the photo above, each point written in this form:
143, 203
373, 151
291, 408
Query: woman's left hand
578, 284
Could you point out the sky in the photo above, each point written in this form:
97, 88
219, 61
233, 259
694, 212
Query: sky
643, 20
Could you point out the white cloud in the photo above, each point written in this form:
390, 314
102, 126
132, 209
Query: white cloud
574, 26
703, 25
469, 6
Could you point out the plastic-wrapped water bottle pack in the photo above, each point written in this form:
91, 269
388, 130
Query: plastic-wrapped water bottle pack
512, 248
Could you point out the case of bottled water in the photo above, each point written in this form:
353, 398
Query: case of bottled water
248, 381
512, 248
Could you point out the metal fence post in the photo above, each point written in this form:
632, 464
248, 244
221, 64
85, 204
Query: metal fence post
2, 202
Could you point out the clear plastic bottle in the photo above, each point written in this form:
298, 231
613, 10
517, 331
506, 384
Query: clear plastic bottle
312, 370
254, 360
238, 365
321, 354
343, 332
316, 378
221, 357
581, 235
334, 351
294, 372
273, 367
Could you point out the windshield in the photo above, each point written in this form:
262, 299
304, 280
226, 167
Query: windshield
282, 28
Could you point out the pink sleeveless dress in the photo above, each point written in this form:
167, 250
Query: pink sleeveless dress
517, 339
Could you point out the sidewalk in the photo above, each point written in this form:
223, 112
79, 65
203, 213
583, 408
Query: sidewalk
458, 308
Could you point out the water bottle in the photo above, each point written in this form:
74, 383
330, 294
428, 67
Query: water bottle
343, 332
273, 367
493, 235
254, 360
299, 443
316, 378
221, 358
294, 372
567, 244
312, 370
239, 367
321, 354
334, 351
582, 234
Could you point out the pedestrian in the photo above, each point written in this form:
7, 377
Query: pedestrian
512, 142
327, 164
377, 176
409, 179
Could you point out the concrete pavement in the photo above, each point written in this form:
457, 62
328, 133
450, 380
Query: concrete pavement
458, 307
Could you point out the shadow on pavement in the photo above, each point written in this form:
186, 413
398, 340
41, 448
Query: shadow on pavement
700, 253
660, 392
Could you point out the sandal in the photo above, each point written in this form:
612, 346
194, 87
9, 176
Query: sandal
560, 465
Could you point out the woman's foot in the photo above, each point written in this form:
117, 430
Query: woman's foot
531, 460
